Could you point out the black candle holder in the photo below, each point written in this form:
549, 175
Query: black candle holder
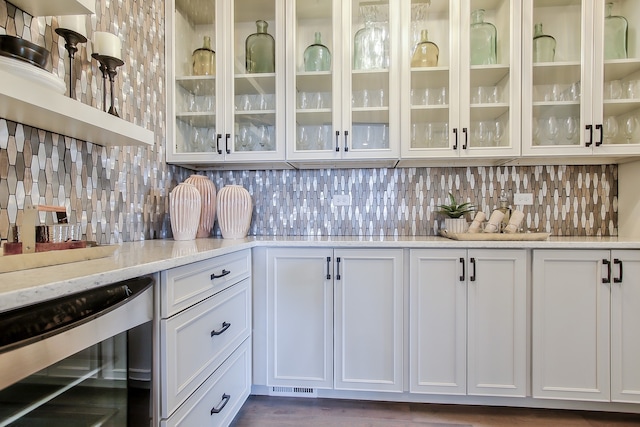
103, 70
71, 39
108, 66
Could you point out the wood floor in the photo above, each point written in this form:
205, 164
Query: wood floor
265, 411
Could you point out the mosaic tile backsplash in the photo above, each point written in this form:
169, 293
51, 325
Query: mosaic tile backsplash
121, 194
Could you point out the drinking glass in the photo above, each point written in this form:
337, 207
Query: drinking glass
551, 129
629, 128
613, 89
610, 129
481, 133
498, 132
303, 100
571, 128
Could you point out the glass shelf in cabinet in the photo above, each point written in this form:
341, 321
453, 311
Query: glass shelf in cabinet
255, 83
198, 85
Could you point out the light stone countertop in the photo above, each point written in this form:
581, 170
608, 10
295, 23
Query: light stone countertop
135, 259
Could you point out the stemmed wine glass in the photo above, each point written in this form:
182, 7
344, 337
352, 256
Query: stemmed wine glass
571, 128
499, 132
630, 125
610, 129
552, 129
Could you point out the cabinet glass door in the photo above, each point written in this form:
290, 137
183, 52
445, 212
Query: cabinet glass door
430, 61
620, 38
557, 108
316, 51
256, 52
195, 44
373, 62
492, 70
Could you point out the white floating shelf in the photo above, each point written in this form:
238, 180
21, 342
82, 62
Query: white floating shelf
28, 103
56, 7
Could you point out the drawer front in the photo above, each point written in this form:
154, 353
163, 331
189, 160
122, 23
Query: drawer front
196, 341
187, 285
220, 398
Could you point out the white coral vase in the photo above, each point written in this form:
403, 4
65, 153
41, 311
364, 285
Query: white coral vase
207, 191
234, 211
184, 208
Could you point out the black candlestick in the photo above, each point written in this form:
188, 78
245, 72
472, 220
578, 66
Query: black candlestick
72, 39
110, 63
103, 70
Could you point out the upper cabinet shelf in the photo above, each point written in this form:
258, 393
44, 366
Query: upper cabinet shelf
27, 103
57, 7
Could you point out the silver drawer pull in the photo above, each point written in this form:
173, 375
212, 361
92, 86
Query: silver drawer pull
223, 403
224, 273
225, 326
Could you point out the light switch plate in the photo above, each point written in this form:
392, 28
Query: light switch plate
525, 199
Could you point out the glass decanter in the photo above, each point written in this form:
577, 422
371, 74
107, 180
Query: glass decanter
370, 50
615, 35
544, 45
483, 40
317, 56
425, 53
260, 50
204, 59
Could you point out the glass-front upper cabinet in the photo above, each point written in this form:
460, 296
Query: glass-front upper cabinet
226, 81
581, 74
461, 80
342, 77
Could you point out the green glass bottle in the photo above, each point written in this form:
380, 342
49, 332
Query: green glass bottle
615, 35
544, 45
484, 39
317, 56
425, 53
260, 50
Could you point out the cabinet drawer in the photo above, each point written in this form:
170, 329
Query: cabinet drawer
220, 398
196, 341
184, 286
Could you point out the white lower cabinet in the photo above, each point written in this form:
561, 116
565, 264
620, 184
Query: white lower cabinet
586, 311
335, 318
468, 322
205, 344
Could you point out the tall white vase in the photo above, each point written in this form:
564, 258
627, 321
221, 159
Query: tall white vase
234, 211
184, 208
207, 191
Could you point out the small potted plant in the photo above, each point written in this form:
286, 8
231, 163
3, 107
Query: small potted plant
455, 221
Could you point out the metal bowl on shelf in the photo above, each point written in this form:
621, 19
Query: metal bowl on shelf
24, 50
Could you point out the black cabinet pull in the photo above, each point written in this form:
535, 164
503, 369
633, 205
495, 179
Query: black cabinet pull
462, 278
337, 141
223, 403
227, 137
466, 138
472, 277
600, 128
346, 136
328, 268
225, 326
608, 264
218, 138
590, 141
224, 273
455, 144
618, 279
338, 268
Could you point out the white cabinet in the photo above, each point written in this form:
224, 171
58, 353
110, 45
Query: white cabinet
580, 104
348, 112
348, 298
229, 116
468, 322
585, 306
205, 330
457, 110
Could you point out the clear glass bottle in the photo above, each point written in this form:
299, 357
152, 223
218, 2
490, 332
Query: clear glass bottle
204, 59
260, 52
615, 35
370, 50
483, 40
425, 53
317, 56
544, 45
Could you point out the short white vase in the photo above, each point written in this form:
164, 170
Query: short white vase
456, 225
234, 211
207, 191
184, 208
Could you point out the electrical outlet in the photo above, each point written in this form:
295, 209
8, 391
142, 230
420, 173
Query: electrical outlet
341, 199
521, 199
